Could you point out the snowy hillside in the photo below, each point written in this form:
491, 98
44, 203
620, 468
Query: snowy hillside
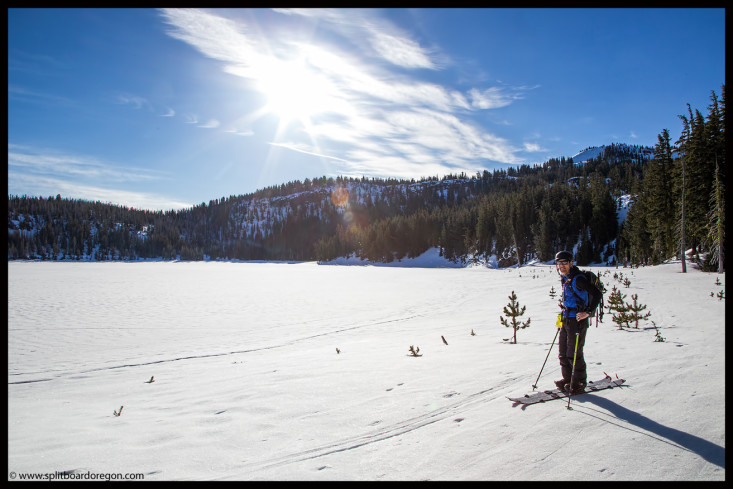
247, 371
327, 219
588, 154
614, 152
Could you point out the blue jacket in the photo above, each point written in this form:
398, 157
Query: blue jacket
584, 297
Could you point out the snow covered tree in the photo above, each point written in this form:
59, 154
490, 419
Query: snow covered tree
513, 311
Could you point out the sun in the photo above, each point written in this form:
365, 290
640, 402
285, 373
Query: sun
293, 91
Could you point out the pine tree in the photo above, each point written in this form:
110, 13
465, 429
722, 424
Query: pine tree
513, 311
660, 199
658, 338
603, 223
681, 192
615, 300
716, 216
635, 233
617, 307
700, 169
543, 232
634, 311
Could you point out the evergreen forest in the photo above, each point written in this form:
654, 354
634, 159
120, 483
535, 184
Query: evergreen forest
505, 217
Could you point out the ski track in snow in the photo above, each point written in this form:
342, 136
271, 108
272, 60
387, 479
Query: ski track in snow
396, 429
210, 355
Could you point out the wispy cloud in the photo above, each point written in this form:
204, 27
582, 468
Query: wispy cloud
135, 101
304, 149
211, 124
533, 147
385, 40
376, 108
49, 187
43, 162
496, 97
234, 130
47, 172
34, 96
34, 63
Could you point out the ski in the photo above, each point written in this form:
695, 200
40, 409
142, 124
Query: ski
549, 395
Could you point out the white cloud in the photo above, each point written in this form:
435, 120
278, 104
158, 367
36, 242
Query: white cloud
301, 148
211, 124
398, 50
36, 172
49, 187
27, 95
385, 39
366, 105
134, 100
490, 98
234, 130
31, 161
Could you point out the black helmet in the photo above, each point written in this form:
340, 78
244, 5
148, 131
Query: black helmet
564, 255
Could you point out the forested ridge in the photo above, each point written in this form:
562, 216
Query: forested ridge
505, 217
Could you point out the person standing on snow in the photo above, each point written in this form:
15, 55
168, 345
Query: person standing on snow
579, 300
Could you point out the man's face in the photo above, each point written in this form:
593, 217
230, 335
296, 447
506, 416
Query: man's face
564, 266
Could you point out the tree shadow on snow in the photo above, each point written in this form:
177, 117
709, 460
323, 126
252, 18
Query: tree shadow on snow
709, 451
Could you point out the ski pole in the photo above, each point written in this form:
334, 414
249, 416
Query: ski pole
572, 375
548, 356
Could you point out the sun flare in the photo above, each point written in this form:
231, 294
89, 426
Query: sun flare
293, 91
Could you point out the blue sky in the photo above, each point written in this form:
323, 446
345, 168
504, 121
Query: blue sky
165, 109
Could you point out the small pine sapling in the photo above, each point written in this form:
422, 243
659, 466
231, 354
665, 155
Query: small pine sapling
635, 311
621, 318
615, 301
657, 335
415, 351
513, 311
553, 292
618, 308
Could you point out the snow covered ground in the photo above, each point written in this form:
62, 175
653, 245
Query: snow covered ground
248, 384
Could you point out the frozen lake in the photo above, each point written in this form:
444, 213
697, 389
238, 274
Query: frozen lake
123, 313
248, 384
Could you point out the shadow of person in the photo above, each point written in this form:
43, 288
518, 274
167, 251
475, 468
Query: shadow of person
709, 451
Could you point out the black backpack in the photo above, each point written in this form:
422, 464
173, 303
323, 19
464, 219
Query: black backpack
595, 282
